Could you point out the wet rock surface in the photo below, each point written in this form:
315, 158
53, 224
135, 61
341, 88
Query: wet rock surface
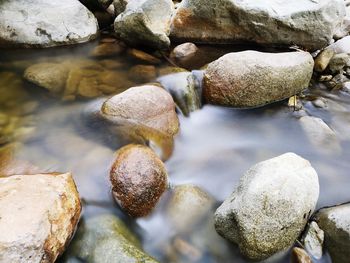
335, 222
268, 22
150, 105
39, 214
263, 215
105, 238
138, 179
251, 79
38, 23
145, 22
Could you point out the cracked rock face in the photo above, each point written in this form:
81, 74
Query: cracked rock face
40, 23
270, 207
38, 216
306, 23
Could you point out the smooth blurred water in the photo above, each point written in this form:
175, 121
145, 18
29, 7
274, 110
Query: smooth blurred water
214, 148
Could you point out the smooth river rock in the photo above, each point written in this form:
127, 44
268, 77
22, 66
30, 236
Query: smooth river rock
105, 238
306, 23
270, 207
39, 214
335, 222
145, 22
149, 105
251, 79
138, 179
40, 23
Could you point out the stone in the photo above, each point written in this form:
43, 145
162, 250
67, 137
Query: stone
145, 22
266, 214
188, 205
251, 79
39, 214
341, 46
105, 238
149, 105
335, 222
143, 56
299, 255
313, 240
143, 73
107, 50
320, 135
51, 76
275, 22
184, 53
40, 23
119, 6
138, 179
323, 59
346, 86
339, 62
182, 88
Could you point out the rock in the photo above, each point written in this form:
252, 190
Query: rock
346, 86
143, 56
119, 6
143, 73
51, 76
107, 50
145, 22
269, 22
138, 179
323, 59
299, 255
338, 62
149, 105
169, 70
313, 240
252, 79
187, 206
320, 103
39, 214
265, 215
105, 238
39, 23
184, 53
320, 135
182, 88
335, 222
341, 46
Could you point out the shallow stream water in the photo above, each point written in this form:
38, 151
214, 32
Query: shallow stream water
214, 148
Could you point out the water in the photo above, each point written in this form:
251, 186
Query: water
215, 147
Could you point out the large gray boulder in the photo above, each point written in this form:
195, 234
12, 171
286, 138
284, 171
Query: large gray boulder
309, 24
270, 207
252, 79
145, 22
335, 222
40, 23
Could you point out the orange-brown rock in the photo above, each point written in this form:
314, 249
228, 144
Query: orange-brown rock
138, 179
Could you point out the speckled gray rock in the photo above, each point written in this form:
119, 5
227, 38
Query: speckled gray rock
40, 23
182, 88
320, 135
313, 240
335, 222
145, 22
252, 79
339, 62
265, 22
106, 238
270, 207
